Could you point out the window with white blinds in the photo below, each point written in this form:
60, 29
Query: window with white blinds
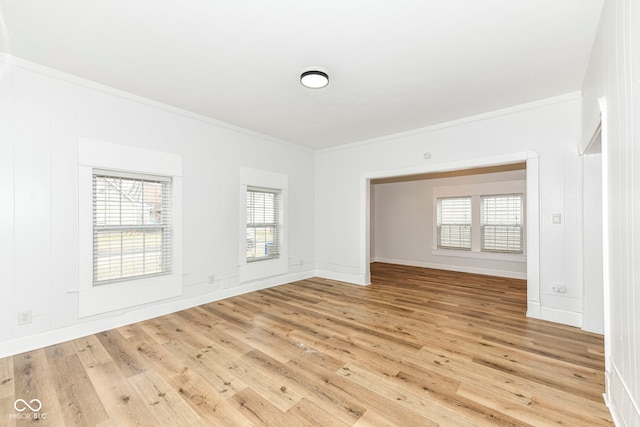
263, 224
454, 223
501, 222
131, 226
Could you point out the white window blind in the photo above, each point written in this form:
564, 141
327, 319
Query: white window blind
454, 223
501, 222
263, 224
131, 226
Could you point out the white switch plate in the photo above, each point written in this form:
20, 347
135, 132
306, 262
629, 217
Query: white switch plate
556, 218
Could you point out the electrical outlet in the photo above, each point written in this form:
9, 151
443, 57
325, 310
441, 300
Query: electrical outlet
559, 289
212, 278
24, 317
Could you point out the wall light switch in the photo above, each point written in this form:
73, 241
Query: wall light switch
556, 218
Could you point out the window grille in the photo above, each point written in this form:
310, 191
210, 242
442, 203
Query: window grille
263, 224
131, 226
502, 225
454, 223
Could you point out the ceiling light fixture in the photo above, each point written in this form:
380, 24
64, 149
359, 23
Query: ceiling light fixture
314, 79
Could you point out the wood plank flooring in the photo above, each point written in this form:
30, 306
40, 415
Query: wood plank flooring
418, 347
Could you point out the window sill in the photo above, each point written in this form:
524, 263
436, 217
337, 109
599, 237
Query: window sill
480, 255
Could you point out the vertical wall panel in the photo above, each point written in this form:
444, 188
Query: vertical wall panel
64, 204
625, 202
32, 197
616, 62
592, 244
634, 156
7, 314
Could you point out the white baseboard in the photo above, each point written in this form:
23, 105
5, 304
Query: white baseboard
614, 411
533, 310
619, 399
570, 318
32, 342
593, 330
459, 268
356, 279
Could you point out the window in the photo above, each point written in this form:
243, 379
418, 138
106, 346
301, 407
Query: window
454, 223
494, 213
501, 222
131, 226
263, 224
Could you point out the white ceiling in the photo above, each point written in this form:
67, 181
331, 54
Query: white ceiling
394, 65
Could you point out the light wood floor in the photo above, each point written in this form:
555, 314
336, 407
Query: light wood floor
418, 347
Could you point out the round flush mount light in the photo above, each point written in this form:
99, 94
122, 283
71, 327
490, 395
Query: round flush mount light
314, 79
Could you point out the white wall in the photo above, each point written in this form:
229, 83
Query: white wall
550, 128
614, 75
43, 113
404, 226
592, 243
372, 224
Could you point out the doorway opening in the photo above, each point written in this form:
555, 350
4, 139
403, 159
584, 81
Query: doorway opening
521, 165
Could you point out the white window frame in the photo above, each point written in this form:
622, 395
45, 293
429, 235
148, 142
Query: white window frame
137, 225
519, 224
100, 155
267, 252
268, 267
466, 223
